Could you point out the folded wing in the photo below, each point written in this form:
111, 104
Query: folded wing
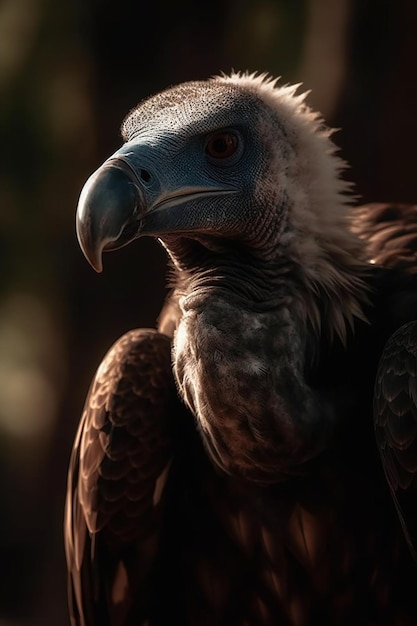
118, 471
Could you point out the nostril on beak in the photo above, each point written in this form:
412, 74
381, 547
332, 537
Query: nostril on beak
145, 176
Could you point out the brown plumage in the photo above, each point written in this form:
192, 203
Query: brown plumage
225, 471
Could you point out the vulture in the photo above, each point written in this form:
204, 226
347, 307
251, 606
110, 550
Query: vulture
251, 461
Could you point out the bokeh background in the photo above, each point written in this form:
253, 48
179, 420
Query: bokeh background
69, 72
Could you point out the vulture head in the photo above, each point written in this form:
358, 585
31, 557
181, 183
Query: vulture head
233, 167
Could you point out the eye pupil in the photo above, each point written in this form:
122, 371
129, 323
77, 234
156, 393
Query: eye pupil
221, 145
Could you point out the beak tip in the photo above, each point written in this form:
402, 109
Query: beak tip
93, 253
94, 258
97, 265
109, 203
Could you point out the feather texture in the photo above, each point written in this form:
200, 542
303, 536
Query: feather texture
395, 410
118, 472
225, 471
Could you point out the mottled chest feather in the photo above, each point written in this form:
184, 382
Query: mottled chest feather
241, 374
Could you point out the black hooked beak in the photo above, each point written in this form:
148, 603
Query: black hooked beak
110, 210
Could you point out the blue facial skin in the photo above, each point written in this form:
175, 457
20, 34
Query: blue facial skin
184, 188
177, 179
165, 181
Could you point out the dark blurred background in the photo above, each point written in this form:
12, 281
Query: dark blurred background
69, 72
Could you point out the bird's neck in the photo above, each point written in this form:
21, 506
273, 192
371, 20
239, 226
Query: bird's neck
251, 278
328, 287
240, 365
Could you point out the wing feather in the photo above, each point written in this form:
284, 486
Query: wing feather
395, 417
390, 232
118, 469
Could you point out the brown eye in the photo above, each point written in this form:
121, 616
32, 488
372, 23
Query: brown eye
221, 145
